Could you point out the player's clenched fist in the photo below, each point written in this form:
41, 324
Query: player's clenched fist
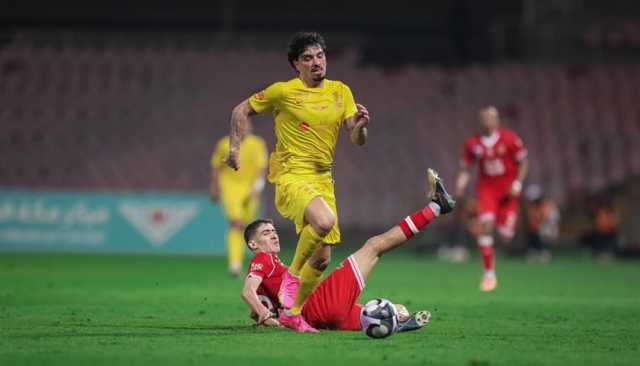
362, 116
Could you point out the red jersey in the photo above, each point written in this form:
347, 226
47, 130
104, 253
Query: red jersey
268, 267
333, 305
498, 157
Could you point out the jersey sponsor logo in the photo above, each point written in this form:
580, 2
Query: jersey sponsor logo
304, 126
494, 167
158, 222
256, 267
260, 95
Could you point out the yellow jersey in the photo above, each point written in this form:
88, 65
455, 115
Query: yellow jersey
307, 123
253, 158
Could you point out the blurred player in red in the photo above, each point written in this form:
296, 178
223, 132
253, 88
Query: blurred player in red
502, 164
334, 303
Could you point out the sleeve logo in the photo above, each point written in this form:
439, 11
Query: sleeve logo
260, 95
256, 267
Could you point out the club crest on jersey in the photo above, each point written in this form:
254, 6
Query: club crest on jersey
501, 150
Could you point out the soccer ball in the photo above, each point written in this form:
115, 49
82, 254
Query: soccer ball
269, 305
379, 318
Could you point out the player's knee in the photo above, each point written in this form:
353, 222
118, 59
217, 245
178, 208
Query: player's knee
324, 224
486, 228
237, 224
320, 264
374, 245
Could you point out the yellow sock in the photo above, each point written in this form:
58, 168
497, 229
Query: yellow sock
307, 244
235, 248
309, 280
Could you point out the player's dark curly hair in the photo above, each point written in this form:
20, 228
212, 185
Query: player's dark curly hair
251, 229
300, 41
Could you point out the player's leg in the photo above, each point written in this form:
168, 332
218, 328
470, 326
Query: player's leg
235, 246
312, 206
334, 303
368, 255
506, 221
441, 203
487, 209
233, 211
300, 200
317, 225
239, 217
311, 257
299, 287
487, 252
320, 220
311, 275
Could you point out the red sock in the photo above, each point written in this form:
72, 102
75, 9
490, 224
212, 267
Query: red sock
486, 250
414, 223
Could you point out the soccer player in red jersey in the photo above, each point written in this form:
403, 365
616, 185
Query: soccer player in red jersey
502, 164
334, 303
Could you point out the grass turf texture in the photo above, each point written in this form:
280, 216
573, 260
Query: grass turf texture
103, 310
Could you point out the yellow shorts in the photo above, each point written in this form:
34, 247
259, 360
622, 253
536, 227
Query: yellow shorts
295, 191
240, 207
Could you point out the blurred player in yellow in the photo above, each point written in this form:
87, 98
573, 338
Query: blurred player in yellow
308, 111
239, 190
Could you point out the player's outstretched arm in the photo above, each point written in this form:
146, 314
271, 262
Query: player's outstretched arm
357, 125
260, 313
239, 122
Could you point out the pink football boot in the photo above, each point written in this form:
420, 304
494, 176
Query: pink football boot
288, 290
297, 323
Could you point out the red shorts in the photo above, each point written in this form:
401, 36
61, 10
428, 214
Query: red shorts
499, 207
333, 305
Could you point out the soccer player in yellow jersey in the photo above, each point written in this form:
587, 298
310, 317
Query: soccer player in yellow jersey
308, 111
239, 191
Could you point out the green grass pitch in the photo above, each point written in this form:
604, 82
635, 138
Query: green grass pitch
180, 310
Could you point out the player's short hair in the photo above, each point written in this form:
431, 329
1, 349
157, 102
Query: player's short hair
252, 228
300, 41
